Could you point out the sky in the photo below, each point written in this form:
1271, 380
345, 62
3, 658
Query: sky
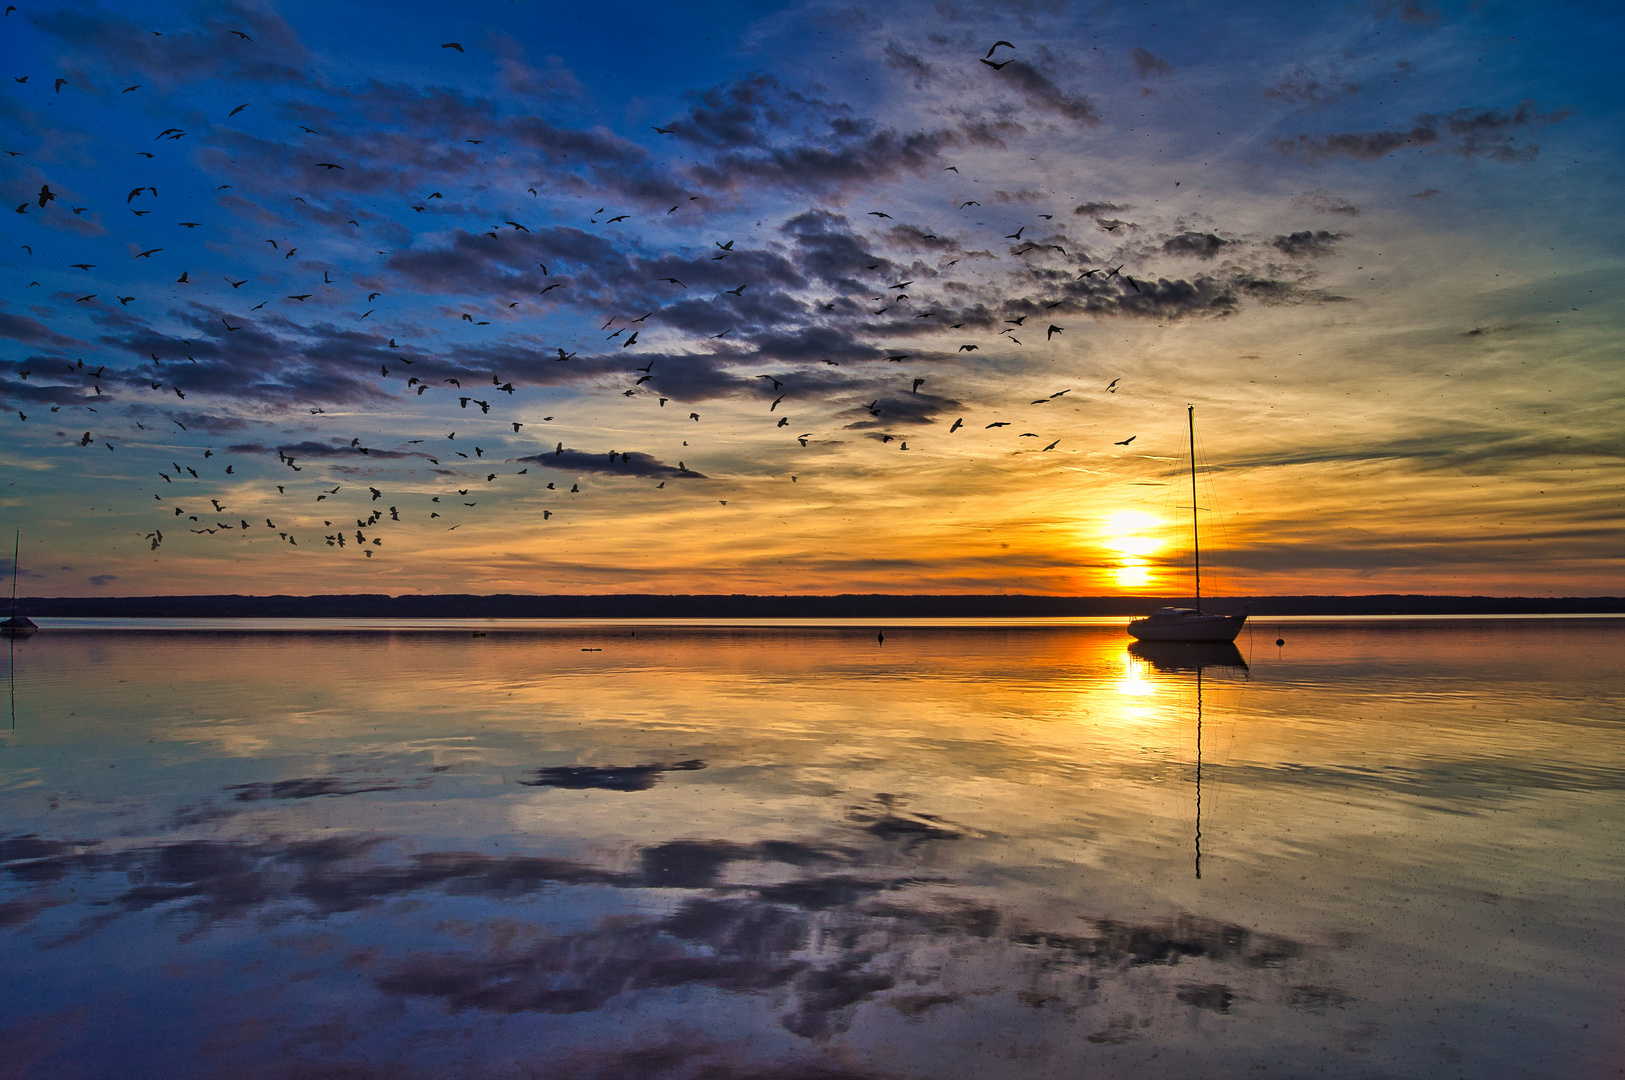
811, 297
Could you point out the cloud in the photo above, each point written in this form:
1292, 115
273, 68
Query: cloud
748, 111
1322, 201
1195, 244
1096, 209
1147, 64
1308, 243
1303, 87
613, 463
333, 449
1467, 133
96, 40
1409, 11
861, 154
900, 59
1459, 448
98, 580
1041, 93
33, 332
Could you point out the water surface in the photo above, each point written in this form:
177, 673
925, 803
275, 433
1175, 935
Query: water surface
686, 850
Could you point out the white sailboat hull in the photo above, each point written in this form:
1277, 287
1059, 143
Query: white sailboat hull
1191, 627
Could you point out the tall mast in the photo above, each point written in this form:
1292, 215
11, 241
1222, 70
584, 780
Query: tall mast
16, 542
1196, 539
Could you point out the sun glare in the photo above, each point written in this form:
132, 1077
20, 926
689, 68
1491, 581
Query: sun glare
1130, 535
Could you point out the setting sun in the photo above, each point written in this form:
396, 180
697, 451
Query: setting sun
1130, 536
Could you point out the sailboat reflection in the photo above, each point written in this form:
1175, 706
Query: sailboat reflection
1172, 656
1177, 656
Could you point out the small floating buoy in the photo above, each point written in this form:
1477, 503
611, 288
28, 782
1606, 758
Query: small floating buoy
881, 637
1280, 641
478, 633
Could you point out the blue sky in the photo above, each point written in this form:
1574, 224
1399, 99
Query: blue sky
1376, 245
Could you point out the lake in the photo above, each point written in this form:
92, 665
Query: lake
1388, 848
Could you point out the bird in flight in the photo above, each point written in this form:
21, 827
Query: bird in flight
996, 44
1126, 441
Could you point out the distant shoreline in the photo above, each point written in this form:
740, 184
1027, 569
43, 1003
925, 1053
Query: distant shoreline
739, 606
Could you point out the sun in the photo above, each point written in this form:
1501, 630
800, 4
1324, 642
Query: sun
1131, 537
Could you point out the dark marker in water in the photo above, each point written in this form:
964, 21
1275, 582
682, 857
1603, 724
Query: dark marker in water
881, 637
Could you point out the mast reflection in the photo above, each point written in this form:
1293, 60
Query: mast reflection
1182, 656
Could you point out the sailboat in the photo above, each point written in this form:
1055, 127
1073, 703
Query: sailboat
17, 625
1189, 624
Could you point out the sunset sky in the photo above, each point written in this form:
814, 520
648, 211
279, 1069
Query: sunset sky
1378, 246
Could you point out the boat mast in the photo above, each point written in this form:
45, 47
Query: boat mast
16, 542
1196, 539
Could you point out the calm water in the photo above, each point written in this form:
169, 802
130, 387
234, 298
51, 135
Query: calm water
703, 851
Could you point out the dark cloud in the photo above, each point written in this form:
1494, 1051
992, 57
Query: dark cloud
900, 59
1303, 87
335, 448
35, 390
905, 410
1196, 244
614, 463
96, 40
1041, 93
1324, 202
829, 250
750, 111
857, 153
608, 777
1309, 242
1460, 448
1467, 133
1409, 11
1096, 209
1147, 64
33, 332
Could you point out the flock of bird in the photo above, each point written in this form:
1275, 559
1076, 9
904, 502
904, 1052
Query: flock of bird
169, 376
